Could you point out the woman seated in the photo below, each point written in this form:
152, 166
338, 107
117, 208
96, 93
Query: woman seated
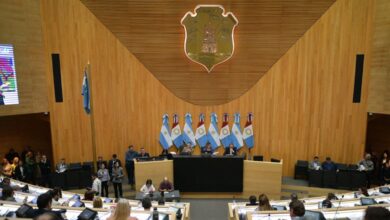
148, 187
207, 149
122, 211
327, 203
264, 204
97, 203
8, 194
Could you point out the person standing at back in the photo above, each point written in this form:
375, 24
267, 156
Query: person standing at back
131, 154
112, 162
117, 177
104, 177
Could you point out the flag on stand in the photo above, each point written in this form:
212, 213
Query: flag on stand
236, 132
85, 93
165, 137
200, 133
247, 134
213, 136
188, 133
176, 136
225, 131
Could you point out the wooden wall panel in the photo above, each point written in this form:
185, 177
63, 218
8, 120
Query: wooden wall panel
151, 30
20, 25
302, 106
19, 131
379, 88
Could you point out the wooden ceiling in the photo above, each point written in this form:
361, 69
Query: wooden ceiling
151, 30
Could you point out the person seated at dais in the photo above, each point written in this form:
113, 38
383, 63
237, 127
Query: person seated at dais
328, 164
62, 166
143, 153
165, 185
231, 150
148, 187
187, 150
207, 149
366, 164
315, 164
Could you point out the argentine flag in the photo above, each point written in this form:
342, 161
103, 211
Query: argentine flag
200, 133
176, 136
213, 136
85, 93
247, 134
225, 131
165, 138
236, 132
188, 133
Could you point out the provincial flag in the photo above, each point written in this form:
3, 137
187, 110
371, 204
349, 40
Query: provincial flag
225, 131
176, 136
236, 132
200, 133
188, 133
248, 132
213, 136
85, 93
165, 137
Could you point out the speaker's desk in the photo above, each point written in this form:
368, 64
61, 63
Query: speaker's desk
258, 177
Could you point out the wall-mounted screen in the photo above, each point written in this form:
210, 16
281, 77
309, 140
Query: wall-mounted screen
8, 85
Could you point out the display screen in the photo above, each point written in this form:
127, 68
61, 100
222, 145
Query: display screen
8, 85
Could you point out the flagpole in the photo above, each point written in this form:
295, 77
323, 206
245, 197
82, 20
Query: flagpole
92, 119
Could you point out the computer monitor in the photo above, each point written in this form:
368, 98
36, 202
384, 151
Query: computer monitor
367, 201
87, 214
279, 207
258, 158
314, 215
384, 190
78, 203
23, 211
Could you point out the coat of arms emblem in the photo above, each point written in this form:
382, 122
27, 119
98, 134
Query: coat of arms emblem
209, 38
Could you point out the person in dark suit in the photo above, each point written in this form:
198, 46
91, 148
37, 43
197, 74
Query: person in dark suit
328, 164
112, 162
20, 171
44, 206
143, 153
100, 161
45, 167
231, 150
207, 149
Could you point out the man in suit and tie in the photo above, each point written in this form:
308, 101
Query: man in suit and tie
143, 153
231, 150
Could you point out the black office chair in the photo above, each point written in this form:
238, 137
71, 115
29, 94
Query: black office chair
258, 157
358, 179
301, 168
329, 179
275, 160
344, 179
88, 165
74, 166
315, 178
341, 166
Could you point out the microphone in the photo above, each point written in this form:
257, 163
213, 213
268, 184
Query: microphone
337, 209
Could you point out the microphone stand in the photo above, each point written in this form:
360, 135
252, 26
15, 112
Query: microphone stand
335, 214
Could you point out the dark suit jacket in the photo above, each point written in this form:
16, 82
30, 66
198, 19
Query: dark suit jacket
18, 173
227, 151
36, 212
145, 155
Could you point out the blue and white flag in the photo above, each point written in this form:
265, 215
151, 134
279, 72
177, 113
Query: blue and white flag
165, 137
236, 132
213, 136
247, 134
176, 136
200, 133
188, 133
85, 93
225, 131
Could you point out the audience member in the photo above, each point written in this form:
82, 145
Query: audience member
363, 192
117, 177
61, 166
15, 163
377, 213
146, 203
47, 216
366, 164
6, 168
384, 166
165, 185
37, 169
293, 197
148, 187
122, 211
264, 204
130, 155
297, 210
207, 149
8, 194
252, 201
328, 165
89, 195
315, 164
56, 194
104, 177
327, 203
30, 167
97, 202
45, 167
20, 171
44, 206
96, 185
112, 162
231, 150
100, 161
11, 155
143, 153
24, 153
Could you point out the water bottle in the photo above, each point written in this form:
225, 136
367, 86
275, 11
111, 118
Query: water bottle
155, 214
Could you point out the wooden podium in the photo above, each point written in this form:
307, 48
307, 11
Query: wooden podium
258, 177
